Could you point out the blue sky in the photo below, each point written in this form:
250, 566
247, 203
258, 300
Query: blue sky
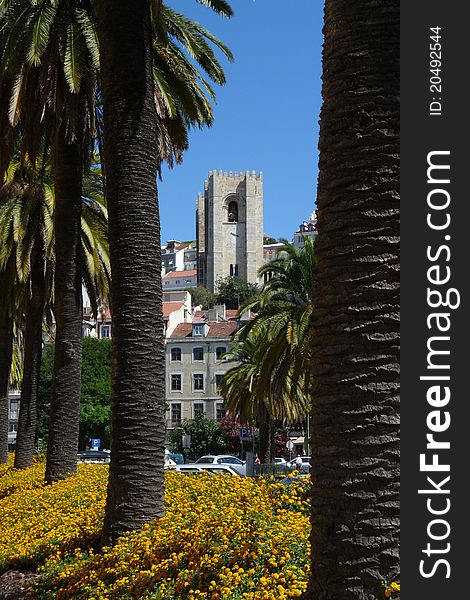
266, 116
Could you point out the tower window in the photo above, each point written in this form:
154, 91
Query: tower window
233, 212
233, 270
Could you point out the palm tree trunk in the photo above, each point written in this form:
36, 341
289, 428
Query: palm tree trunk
355, 415
26, 435
266, 438
135, 488
6, 347
65, 398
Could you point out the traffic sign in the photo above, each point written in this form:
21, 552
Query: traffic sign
290, 445
95, 443
246, 433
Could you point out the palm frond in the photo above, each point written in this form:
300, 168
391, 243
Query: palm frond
43, 21
221, 7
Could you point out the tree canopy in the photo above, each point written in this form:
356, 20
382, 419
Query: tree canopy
234, 291
95, 393
201, 296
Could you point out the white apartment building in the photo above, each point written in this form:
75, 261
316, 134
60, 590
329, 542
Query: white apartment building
179, 280
195, 365
179, 256
307, 228
13, 413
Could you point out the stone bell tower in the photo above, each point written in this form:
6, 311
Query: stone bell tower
229, 227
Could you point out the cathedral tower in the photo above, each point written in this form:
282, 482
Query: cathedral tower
229, 227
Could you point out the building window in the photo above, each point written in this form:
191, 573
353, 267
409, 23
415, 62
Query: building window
198, 330
198, 409
220, 351
219, 411
12, 427
13, 409
105, 331
234, 270
176, 382
176, 413
233, 212
198, 353
218, 379
175, 354
198, 381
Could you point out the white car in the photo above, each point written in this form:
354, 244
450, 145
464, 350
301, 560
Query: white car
223, 459
213, 469
280, 461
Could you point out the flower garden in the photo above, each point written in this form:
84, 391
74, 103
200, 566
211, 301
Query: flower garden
220, 538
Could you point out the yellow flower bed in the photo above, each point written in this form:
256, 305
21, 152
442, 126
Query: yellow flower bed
38, 519
220, 538
12, 480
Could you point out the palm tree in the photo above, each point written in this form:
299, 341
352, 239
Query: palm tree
270, 381
51, 59
355, 412
26, 240
283, 313
132, 150
50, 53
245, 398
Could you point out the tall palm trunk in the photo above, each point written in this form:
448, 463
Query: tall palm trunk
64, 414
355, 415
25, 437
135, 488
6, 348
266, 437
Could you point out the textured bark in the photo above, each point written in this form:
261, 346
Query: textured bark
266, 438
135, 489
65, 398
355, 415
6, 347
26, 435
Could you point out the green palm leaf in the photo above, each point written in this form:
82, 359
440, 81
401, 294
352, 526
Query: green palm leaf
43, 21
74, 58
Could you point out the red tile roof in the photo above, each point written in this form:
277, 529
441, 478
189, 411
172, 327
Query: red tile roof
181, 274
182, 330
169, 307
223, 329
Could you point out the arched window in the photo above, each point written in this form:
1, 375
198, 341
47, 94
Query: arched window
233, 212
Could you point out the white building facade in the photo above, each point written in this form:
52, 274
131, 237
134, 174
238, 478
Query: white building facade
195, 365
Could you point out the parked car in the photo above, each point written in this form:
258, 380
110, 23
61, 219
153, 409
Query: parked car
94, 456
280, 461
223, 459
213, 469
